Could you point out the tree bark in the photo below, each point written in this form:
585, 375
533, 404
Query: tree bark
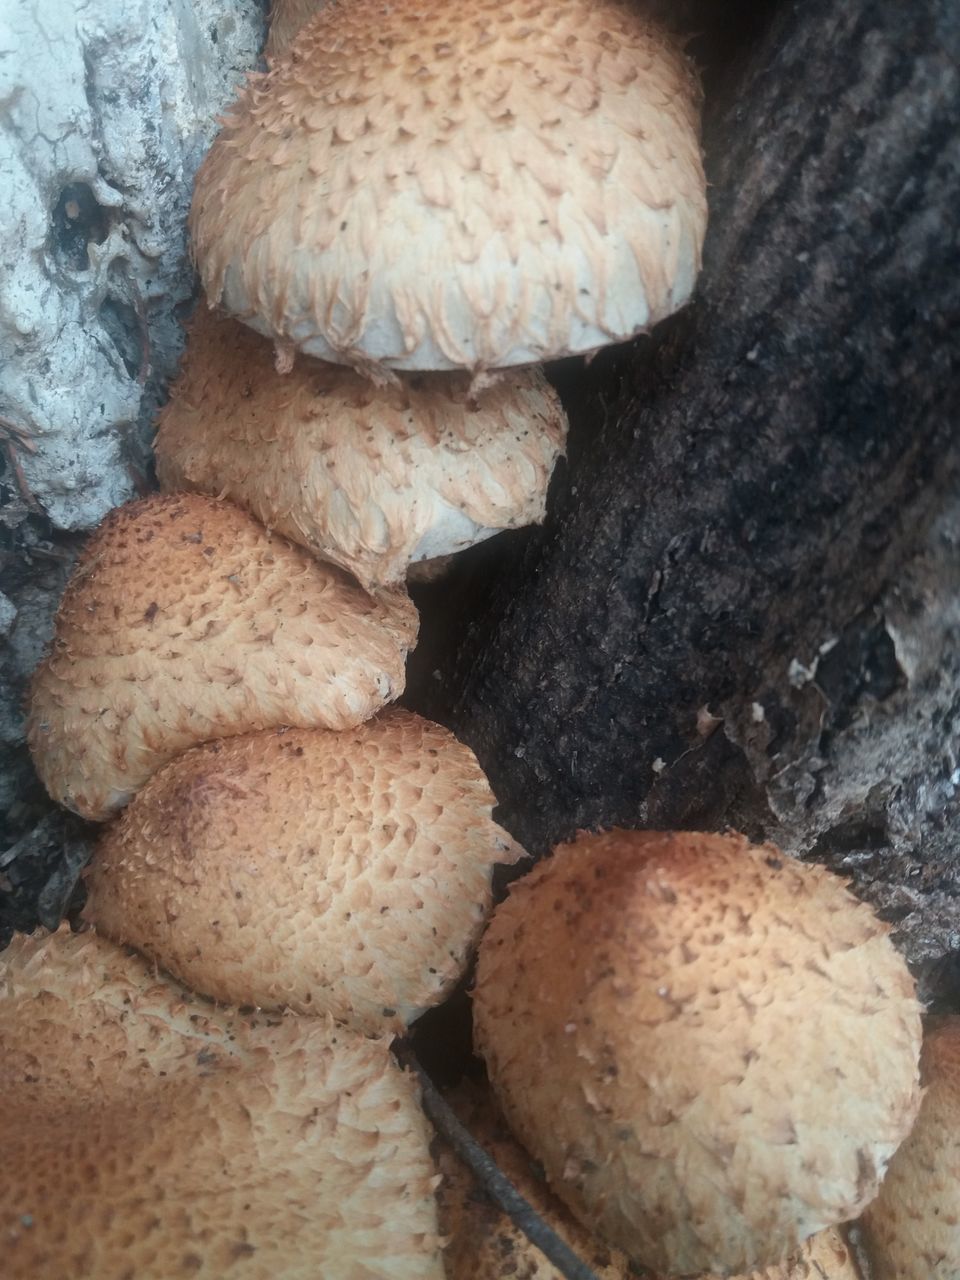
765, 470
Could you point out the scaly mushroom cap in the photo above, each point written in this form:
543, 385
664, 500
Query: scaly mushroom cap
185, 621
712, 1048
425, 185
286, 19
912, 1229
146, 1133
346, 873
372, 479
484, 1242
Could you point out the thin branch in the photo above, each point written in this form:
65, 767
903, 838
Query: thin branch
487, 1173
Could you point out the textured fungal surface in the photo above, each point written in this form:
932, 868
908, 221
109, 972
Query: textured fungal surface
489, 185
711, 1048
346, 873
185, 621
912, 1229
147, 1133
369, 478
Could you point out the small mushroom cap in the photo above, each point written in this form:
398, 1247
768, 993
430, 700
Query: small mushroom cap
286, 19
484, 1242
345, 873
185, 621
711, 1048
147, 1133
425, 185
370, 478
912, 1229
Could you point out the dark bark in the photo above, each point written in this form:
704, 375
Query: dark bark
761, 473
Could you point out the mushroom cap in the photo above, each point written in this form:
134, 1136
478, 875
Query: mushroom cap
483, 1241
424, 185
147, 1133
286, 19
345, 873
912, 1230
712, 1048
186, 621
369, 478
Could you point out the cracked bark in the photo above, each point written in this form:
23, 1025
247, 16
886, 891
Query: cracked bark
697, 634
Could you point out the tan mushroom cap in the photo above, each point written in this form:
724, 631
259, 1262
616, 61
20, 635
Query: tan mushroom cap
425, 185
484, 1242
344, 873
369, 478
146, 1133
712, 1048
185, 621
912, 1229
286, 19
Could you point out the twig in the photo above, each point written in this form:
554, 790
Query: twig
12, 438
500, 1190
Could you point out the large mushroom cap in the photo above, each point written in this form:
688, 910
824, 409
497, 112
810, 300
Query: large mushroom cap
712, 1049
426, 185
347, 873
373, 479
912, 1229
147, 1134
185, 621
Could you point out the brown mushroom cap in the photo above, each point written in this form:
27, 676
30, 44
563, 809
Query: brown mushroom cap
484, 1242
425, 185
711, 1048
370, 478
346, 873
912, 1230
185, 621
146, 1133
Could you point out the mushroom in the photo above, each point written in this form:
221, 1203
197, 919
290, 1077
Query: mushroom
912, 1229
148, 1133
711, 1047
483, 1242
424, 185
372, 479
346, 873
185, 621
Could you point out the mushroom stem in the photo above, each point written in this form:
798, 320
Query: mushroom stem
489, 1176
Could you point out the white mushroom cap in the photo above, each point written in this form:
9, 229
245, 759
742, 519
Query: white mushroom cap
912, 1229
147, 1134
426, 185
185, 621
712, 1048
344, 873
370, 478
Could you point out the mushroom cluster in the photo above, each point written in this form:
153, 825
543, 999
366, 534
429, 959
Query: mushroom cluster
710, 1049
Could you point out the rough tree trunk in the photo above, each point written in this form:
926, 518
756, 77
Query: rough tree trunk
698, 633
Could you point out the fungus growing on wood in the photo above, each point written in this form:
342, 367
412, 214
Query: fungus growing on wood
373, 479
286, 19
428, 186
711, 1048
342, 873
185, 621
912, 1229
147, 1133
